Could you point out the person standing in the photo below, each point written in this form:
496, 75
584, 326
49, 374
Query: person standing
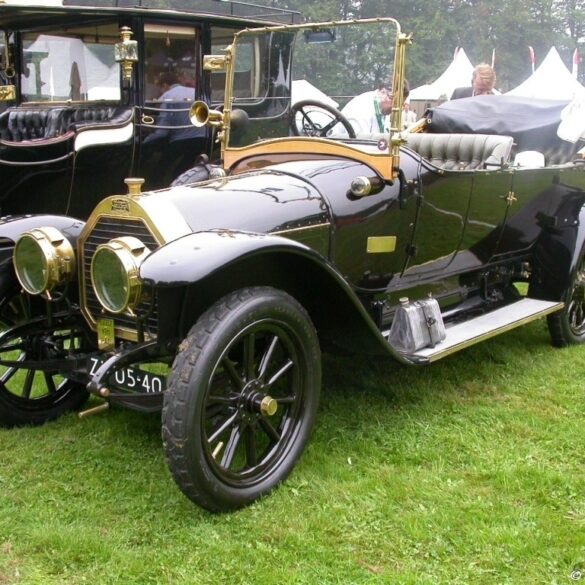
408, 116
368, 113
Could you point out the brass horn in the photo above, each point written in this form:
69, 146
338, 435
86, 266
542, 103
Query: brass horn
201, 115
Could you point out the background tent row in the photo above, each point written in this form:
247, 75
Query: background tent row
551, 80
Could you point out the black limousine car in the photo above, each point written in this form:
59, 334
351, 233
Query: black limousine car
93, 91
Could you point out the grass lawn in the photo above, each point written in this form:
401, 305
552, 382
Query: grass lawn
468, 471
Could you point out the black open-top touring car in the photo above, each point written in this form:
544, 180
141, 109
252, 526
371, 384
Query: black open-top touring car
213, 299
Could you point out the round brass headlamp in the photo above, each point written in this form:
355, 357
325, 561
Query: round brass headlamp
43, 259
115, 273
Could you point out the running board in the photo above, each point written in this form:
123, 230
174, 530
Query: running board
488, 325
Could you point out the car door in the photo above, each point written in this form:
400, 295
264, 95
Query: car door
461, 215
171, 79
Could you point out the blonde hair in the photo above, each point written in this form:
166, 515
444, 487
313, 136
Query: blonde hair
485, 74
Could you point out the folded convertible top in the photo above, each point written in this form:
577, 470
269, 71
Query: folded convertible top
533, 123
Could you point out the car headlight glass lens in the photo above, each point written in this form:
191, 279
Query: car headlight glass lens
115, 273
43, 259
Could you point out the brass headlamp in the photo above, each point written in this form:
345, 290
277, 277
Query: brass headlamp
43, 259
115, 273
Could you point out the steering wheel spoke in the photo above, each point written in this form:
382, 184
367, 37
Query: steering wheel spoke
315, 118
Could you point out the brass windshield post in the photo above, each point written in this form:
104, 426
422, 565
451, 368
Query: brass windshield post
398, 99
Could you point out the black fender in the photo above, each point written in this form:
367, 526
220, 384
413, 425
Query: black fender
11, 228
193, 272
556, 253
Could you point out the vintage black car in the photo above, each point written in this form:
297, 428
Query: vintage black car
85, 89
212, 300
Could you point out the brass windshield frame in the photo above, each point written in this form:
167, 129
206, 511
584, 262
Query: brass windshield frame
380, 161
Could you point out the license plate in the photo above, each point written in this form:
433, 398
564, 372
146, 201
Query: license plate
131, 379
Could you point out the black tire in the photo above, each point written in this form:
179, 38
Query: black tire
250, 343
193, 175
567, 327
29, 396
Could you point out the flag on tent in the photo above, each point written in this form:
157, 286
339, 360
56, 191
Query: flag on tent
576, 61
532, 60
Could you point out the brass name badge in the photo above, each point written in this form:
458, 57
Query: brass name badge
105, 331
120, 206
381, 244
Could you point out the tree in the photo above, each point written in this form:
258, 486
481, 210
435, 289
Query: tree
480, 26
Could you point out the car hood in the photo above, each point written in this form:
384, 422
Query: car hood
266, 201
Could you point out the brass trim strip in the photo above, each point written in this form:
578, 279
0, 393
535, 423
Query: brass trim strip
301, 229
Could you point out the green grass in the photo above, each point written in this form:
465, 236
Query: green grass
468, 471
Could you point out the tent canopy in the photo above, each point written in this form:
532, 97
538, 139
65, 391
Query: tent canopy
303, 90
551, 80
458, 74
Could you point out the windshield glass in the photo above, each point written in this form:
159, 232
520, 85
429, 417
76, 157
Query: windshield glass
73, 63
320, 71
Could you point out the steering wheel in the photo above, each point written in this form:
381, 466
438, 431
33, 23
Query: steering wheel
317, 119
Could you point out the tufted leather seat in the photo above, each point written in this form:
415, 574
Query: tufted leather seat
462, 151
20, 125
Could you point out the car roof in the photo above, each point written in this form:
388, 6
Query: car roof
18, 13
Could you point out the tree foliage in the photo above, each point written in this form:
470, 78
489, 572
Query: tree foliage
479, 26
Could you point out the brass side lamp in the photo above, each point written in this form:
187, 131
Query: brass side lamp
126, 53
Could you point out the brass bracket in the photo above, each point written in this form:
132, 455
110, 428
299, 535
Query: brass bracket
510, 198
7, 93
216, 62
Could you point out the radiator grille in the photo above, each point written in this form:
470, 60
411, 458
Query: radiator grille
106, 229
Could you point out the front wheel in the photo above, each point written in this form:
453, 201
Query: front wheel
567, 327
242, 398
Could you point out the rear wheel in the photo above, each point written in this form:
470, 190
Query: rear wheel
29, 395
242, 398
567, 327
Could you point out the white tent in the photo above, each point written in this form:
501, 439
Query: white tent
551, 80
65, 63
458, 74
303, 90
